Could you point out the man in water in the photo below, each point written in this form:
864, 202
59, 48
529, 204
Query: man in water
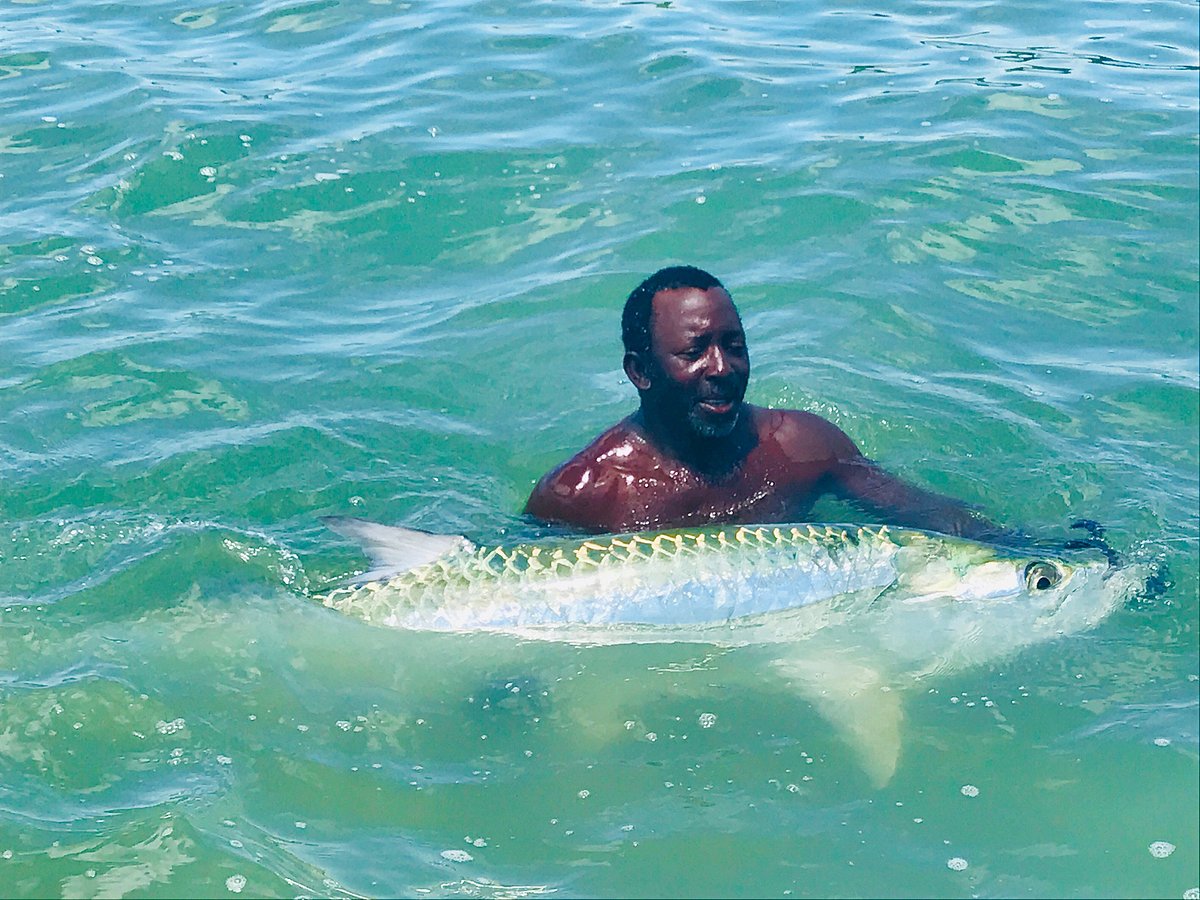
695, 454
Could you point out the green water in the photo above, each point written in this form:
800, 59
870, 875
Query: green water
265, 262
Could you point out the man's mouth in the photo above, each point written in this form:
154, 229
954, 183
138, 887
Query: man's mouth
718, 407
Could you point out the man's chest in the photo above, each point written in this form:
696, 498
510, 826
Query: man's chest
749, 494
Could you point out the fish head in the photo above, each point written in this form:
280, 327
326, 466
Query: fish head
961, 602
954, 604
959, 570
1074, 594
967, 572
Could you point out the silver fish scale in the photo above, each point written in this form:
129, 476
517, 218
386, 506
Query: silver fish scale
675, 577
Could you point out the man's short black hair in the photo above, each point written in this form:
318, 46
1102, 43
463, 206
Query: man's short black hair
635, 320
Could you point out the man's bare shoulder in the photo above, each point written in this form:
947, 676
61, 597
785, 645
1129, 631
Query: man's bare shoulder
587, 488
612, 451
804, 436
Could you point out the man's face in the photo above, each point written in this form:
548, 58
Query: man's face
698, 364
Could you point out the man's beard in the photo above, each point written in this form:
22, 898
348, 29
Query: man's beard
708, 429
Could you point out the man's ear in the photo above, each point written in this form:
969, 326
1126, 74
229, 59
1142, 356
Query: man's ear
637, 370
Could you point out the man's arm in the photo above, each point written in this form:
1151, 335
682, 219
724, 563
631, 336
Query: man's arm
853, 477
864, 483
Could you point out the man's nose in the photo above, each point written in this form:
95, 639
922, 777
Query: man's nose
718, 363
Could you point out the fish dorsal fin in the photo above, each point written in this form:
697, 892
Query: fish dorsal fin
392, 549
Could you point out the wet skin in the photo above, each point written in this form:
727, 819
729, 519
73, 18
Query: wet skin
695, 453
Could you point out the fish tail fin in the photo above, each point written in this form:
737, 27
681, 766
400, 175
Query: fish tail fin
393, 549
859, 703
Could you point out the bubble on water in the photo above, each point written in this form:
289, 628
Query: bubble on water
170, 727
225, 760
457, 855
707, 720
95, 261
956, 863
479, 842
969, 790
1161, 849
235, 883
327, 176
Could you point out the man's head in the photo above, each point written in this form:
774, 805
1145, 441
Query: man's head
685, 351
635, 320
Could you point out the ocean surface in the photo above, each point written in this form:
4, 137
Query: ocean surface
263, 262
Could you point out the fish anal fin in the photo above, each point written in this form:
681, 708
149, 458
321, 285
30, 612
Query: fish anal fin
854, 697
393, 549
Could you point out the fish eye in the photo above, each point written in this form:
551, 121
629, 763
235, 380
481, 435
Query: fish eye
1041, 576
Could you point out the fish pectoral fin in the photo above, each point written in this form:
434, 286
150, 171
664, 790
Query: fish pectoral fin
393, 549
856, 699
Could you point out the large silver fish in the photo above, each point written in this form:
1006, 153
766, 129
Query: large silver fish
852, 613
